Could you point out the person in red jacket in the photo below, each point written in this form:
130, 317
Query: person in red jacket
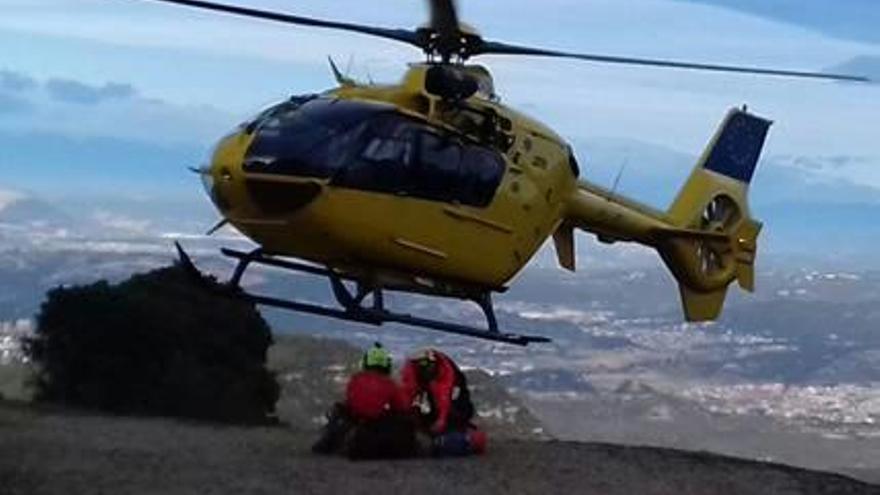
374, 421
435, 386
372, 393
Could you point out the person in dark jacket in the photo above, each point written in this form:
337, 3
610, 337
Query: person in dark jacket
374, 421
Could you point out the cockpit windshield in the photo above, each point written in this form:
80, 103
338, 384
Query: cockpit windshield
372, 147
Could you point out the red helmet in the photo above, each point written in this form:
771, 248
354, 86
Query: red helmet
426, 365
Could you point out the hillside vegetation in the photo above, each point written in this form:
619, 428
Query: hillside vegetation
156, 344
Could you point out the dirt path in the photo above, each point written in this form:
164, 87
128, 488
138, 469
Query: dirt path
59, 452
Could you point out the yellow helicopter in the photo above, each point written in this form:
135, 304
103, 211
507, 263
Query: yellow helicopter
433, 186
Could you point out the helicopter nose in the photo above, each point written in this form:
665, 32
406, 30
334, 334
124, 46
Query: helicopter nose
208, 175
241, 185
221, 176
215, 181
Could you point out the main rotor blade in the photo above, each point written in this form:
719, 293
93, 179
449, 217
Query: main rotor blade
217, 226
402, 35
494, 47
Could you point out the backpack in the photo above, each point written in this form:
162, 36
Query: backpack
462, 407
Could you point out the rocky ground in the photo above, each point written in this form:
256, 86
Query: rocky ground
49, 450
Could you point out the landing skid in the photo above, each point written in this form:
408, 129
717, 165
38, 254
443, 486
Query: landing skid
352, 305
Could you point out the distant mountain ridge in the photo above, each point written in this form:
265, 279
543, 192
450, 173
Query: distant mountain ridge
653, 174
42, 161
798, 204
21, 209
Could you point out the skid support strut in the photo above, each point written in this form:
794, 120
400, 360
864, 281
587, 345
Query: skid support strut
352, 307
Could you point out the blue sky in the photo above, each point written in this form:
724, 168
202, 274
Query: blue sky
847, 19
175, 78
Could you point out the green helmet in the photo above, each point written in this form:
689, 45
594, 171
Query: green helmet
377, 359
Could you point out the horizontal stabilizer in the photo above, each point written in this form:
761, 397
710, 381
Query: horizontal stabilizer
563, 240
747, 239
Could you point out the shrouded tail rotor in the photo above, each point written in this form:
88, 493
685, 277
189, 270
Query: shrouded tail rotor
713, 204
720, 215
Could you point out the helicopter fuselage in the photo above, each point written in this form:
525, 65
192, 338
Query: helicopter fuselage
393, 182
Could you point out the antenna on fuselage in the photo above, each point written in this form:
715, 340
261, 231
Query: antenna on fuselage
341, 78
616, 183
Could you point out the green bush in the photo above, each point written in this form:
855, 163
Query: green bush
156, 344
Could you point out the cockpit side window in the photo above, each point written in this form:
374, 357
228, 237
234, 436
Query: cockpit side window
380, 149
403, 157
451, 170
483, 171
439, 167
383, 157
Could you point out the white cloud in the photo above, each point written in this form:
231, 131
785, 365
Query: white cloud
8, 197
72, 91
111, 109
110, 220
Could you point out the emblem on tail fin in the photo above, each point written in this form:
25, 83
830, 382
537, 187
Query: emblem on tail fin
738, 146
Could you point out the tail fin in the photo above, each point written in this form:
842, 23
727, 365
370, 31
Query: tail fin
714, 239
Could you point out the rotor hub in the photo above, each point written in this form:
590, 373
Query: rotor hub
456, 47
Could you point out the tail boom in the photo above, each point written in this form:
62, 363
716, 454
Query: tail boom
707, 237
